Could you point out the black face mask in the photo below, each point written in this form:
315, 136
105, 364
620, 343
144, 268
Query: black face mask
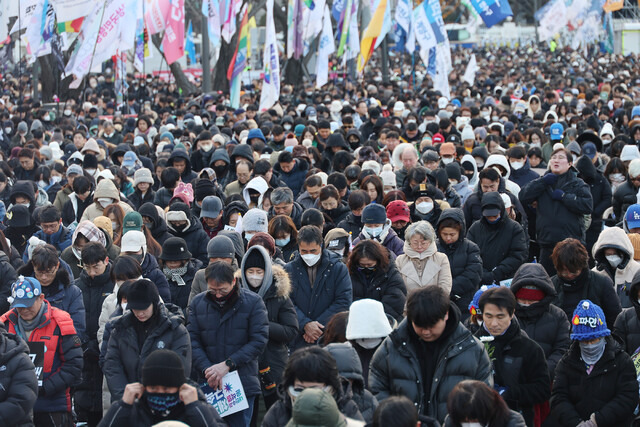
220, 170
138, 257
579, 279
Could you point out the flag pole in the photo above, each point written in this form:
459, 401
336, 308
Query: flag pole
20, 48
84, 95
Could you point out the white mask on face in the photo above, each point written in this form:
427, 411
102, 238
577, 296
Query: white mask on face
517, 165
255, 280
614, 260
206, 147
124, 306
424, 207
105, 201
311, 259
374, 232
447, 160
476, 424
56, 179
369, 343
287, 127
248, 236
42, 184
616, 177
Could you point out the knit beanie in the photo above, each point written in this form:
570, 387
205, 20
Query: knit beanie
163, 368
374, 214
255, 220
90, 161
142, 294
634, 166
254, 259
467, 133
220, 247
588, 322
474, 306
204, 188
142, 175
630, 152
531, 293
290, 141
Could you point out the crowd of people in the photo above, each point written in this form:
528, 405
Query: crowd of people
369, 253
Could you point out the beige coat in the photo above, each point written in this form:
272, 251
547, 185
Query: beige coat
105, 188
436, 271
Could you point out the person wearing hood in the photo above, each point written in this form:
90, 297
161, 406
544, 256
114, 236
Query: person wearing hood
181, 223
241, 153
169, 179
459, 183
375, 276
354, 139
23, 193
595, 382
106, 193
627, 324
520, 373
19, 227
425, 206
443, 184
563, 200
220, 162
271, 282
613, 255
134, 244
253, 192
470, 170
153, 220
521, 172
180, 160
292, 171
501, 164
20, 384
335, 143
179, 269
84, 233
376, 226
464, 257
601, 194
574, 280
502, 241
542, 321
350, 368
143, 193
311, 367
428, 354
146, 326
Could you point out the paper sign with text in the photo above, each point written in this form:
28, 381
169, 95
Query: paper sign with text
230, 399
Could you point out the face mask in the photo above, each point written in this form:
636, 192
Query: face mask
424, 207
606, 141
91, 172
7, 131
311, 259
614, 260
56, 179
255, 280
283, 242
28, 204
206, 147
42, 184
523, 304
76, 252
476, 424
162, 403
287, 127
493, 222
248, 236
567, 99
453, 182
398, 125
138, 257
591, 353
67, 112
105, 201
616, 177
517, 165
373, 232
485, 115
494, 118
369, 343
124, 306
447, 160
411, 121
575, 158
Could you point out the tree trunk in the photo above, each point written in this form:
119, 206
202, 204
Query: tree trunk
176, 69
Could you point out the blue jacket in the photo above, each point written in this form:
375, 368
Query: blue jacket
524, 175
240, 334
61, 240
295, 178
330, 294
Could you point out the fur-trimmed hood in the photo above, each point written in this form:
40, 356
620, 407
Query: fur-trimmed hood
281, 281
276, 282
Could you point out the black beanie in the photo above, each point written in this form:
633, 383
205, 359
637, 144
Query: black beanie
90, 162
143, 293
254, 259
204, 188
163, 368
453, 171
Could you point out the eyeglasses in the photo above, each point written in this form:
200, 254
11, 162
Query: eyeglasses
48, 272
296, 391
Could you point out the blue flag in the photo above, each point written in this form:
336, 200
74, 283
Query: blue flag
492, 12
189, 46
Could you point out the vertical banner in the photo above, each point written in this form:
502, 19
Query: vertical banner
325, 48
271, 85
173, 41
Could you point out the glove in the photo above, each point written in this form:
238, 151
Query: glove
501, 390
557, 194
550, 179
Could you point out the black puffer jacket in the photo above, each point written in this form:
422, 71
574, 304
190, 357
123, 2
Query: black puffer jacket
464, 260
196, 239
386, 286
351, 224
151, 271
180, 292
559, 219
543, 322
8, 276
125, 355
187, 175
396, 370
610, 391
520, 367
280, 413
503, 246
473, 206
600, 193
137, 199
18, 382
349, 367
627, 325
624, 196
595, 287
159, 226
338, 214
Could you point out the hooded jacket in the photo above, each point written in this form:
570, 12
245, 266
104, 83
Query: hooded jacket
187, 175
105, 189
257, 184
125, 355
295, 177
442, 180
524, 175
627, 324
75, 264
221, 154
395, 368
18, 382
623, 274
351, 224
74, 208
283, 320
503, 246
8, 276
24, 189
543, 322
158, 225
474, 179
473, 206
436, 270
151, 271
195, 237
388, 238
464, 261
500, 160
600, 193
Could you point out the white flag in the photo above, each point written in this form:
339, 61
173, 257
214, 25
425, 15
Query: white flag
211, 10
353, 43
24, 10
326, 47
271, 85
4, 19
403, 15
422, 30
313, 20
441, 82
68, 10
553, 21
472, 69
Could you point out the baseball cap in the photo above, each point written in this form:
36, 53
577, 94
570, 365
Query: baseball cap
633, 216
589, 150
555, 131
491, 211
24, 292
398, 211
447, 149
211, 207
132, 221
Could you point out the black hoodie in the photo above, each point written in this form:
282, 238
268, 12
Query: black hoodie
187, 175
158, 225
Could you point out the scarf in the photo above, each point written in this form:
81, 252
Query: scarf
175, 274
24, 326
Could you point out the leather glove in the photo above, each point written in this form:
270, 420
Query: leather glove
550, 179
557, 194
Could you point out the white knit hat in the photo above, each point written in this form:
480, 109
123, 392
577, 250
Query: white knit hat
367, 319
629, 152
634, 166
388, 178
371, 165
607, 129
467, 133
255, 220
142, 175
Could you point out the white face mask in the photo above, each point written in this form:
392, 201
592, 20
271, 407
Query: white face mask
453, 182
91, 172
28, 204
124, 306
206, 147
248, 236
255, 280
614, 260
517, 165
476, 424
424, 207
56, 179
287, 127
374, 232
616, 177
105, 201
447, 160
369, 343
606, 141
229, 228
42, 184
311, 259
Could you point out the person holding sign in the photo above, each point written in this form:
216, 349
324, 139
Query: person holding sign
55, 346
163, 395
